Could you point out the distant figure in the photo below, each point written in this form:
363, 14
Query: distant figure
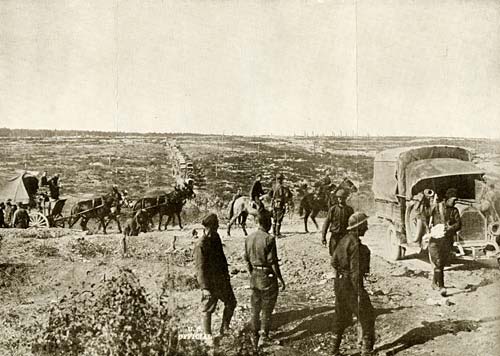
256, 192
44, 180
2, 215
54, 187
279, 198
9, 212
21, 218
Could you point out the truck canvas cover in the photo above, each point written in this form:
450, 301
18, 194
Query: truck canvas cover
390, 168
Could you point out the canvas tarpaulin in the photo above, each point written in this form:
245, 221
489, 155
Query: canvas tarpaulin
19, 188
389, 176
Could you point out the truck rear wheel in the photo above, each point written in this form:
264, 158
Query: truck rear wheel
393, 249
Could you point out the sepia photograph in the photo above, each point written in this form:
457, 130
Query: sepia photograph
249, 177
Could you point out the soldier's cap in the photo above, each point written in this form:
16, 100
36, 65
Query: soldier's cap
356, 219
341, 193
210, 220
451, 193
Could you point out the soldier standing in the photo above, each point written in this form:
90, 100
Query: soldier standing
440, 248
278, 204
213, 277
262, 262
351, 261
21, 219
337, 221
256, 192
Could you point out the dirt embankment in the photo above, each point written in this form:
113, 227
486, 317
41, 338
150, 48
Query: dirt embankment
411, 319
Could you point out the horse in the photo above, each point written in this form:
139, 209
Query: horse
311, 203
100, 208
244, 206
169, 204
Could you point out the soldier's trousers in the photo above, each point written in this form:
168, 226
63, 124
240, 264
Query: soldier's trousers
439, 251
223, 292
264, 285
334, 240
348, 303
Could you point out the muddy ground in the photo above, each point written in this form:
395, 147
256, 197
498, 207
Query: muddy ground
411, 319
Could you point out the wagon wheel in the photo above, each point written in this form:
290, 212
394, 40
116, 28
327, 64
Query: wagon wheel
38, 220
58, 220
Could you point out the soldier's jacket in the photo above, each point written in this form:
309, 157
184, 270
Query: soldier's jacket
211, 264
260, 249
450, 216
21, 219
337, 220
279, 196
351, 259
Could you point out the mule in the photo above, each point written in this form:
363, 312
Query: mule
99, 208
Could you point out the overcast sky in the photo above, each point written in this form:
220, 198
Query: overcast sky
381, 67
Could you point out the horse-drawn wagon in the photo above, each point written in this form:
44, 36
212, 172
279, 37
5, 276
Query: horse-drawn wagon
405, 178
24, 188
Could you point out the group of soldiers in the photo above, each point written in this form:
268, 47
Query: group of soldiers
350, 260
14, 215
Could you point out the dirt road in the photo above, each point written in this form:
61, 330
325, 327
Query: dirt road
37, 272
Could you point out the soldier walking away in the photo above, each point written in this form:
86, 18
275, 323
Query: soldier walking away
21, 218
337, 221
213, 277
278, 204
256, 192
440, 245
351, 261
262, 262
9, 213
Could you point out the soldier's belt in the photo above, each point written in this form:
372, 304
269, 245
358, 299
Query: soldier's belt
261, 267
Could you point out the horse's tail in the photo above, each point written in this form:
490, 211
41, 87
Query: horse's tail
231, 211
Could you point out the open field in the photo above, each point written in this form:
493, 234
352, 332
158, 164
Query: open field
37, 269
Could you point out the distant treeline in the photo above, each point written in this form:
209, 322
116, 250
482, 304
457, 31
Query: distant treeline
5, 132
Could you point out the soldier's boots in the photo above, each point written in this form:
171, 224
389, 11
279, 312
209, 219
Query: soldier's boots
226, 320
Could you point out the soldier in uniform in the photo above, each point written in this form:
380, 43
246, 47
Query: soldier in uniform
213, 277
262, 262
440, 248
54, 187
21, 219
336, 220
256, 192
351, 261
278, 204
